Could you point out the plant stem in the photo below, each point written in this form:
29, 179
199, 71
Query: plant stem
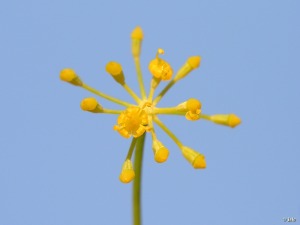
163, 92
108, 97
136, 194
140, 76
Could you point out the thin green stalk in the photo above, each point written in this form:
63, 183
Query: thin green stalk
154, 83
132, 93
140, 76
168, 132
136, 194
112, 111
108, 97
163, 92
131, 148
169, 111
204, 116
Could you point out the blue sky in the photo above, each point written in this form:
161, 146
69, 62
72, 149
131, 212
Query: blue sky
60, 165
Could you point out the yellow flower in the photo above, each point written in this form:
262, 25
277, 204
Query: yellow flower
132, 121
159, 68
140, 117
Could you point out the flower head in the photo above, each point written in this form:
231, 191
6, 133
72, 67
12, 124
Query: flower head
140, 117
132, 121
159, 68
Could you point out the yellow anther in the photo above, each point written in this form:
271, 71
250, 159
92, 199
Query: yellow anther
196, 159
161, 153
115, 70
91, 105
69, 75
127, 173
192, 63
136, 37
132, 121
230, 120
159, 68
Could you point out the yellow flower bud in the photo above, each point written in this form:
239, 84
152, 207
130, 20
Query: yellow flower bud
136, 37
91, 105
127, 173
70, 76
137, 33
192, 63
161, 153
230, 120
196, 159
115, 70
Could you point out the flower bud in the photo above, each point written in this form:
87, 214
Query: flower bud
91, 105
230, 120
127, 173
136, 41
159, 68
115, 70
196, 159
192, 63
70, 76
161, 153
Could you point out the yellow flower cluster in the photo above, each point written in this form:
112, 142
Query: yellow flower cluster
138, 118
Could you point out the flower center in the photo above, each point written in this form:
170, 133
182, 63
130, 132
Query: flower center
147, 107
132, 121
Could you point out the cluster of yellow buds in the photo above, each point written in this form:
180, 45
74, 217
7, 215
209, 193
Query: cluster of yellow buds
138, 118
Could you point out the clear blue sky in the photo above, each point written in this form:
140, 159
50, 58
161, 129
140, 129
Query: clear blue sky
60, 165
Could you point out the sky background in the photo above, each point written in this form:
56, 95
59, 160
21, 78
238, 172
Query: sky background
60, 165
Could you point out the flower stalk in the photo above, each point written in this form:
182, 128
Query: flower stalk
137, 183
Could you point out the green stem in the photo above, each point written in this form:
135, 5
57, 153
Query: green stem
169, 111
140, 76
138, 162
163, 92
132, 93
131, 148
112, 111
206, 117
108, 97
168, 132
